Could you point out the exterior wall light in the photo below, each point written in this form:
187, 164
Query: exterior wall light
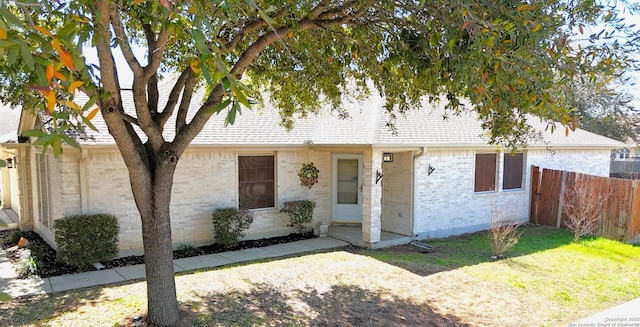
387, 157
11, 162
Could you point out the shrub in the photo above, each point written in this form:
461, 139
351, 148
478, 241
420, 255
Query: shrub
86, 239
300, 213
504, 231
15, 236
583, 208
229, 225
26, 264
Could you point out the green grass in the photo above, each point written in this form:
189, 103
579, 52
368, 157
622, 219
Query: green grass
544, 266
545, 280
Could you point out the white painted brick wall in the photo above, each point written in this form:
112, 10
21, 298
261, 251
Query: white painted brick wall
204, 180
447, 205
396, 194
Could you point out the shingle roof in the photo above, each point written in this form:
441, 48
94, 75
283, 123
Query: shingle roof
366, 125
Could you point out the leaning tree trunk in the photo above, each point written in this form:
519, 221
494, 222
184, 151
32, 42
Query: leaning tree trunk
154, 207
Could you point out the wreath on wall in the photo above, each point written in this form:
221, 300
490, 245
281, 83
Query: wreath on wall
308, 175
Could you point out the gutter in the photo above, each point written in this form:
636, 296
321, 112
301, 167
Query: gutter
416, 156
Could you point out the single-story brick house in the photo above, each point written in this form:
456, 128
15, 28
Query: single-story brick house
438, 177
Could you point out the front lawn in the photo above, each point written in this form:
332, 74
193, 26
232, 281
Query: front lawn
546, 280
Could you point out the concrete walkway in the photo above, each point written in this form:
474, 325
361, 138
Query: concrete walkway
9, 217
10, 284
626, 314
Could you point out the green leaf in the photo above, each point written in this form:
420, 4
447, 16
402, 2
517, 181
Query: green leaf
26, 55
34, 132
56, 145
70, 141
4, 297
237, 92
7, 43
44, 139
90, 103
88, 123
217, 108
231, 115
13, 55
10, 17
2, 163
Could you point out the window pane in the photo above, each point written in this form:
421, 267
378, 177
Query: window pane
485, 173
256, 186
513, 166
348, 181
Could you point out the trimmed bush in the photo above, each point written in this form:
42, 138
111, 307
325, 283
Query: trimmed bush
300, 213
229, 225
86, 239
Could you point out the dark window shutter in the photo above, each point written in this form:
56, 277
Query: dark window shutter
513, 166
485, 174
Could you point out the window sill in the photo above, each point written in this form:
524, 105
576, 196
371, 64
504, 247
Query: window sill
262, 209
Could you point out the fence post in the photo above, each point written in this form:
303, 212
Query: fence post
561, 200
535, 197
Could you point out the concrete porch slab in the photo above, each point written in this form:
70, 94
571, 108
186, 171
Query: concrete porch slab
353, 235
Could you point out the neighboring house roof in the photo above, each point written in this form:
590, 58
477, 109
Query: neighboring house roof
9, 118
366, 125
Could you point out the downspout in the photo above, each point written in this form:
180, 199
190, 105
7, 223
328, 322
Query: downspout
413, 191
84, 157
25, 199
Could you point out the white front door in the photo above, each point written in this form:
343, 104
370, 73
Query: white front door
347, 188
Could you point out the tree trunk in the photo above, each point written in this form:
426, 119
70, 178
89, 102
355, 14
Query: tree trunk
158, 254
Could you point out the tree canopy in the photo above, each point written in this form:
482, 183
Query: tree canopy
502, 59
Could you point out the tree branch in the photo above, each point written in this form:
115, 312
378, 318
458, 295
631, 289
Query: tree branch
174, 95
248, 29
187, 94
189, 131
156, 43
123, 41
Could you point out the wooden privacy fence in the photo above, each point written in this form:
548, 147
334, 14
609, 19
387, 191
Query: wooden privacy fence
629, 169
620, 200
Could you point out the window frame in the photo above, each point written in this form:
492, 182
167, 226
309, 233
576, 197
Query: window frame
504, 170
495, 172
239, 189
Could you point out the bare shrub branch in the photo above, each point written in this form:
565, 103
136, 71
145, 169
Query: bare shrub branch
583, 207
504, 232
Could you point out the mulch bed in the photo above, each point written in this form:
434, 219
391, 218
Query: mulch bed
49, 266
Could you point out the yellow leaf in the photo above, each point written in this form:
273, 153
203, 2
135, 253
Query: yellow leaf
535, 29
3, 34
566, 131
56, 44
66, 58
50, 72
72, 105
93, 113
523, 7
59, 76
137, 2
43, 30
194, 66
51, 101
75, 85
290, 34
